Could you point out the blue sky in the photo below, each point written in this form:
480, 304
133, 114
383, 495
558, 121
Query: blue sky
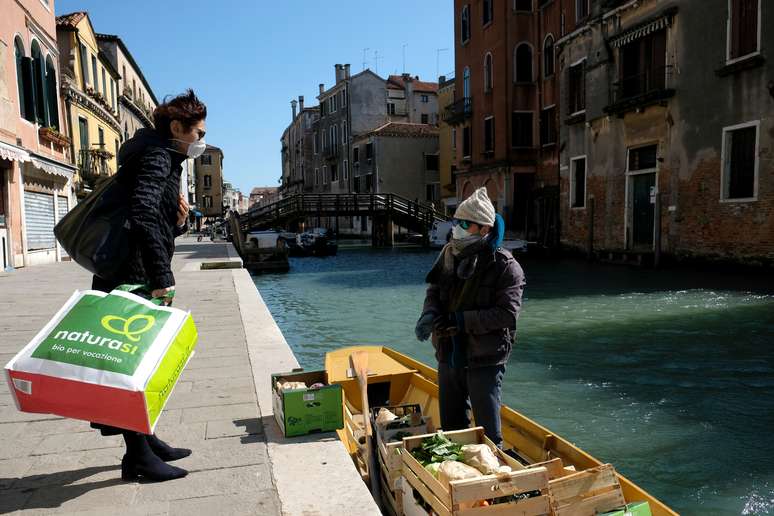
248, 59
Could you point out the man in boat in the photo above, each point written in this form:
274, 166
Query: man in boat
471, 308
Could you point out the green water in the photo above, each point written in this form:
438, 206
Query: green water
668, 375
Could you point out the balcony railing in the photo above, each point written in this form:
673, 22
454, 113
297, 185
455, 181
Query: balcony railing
641, 89
458, 111
93, 165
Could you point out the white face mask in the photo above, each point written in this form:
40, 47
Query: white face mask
460, 234
195, 149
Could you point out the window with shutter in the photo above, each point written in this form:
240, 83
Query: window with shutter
489, 134
53, 107
465, 24
578, 183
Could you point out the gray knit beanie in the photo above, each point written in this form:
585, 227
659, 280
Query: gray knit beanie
477, 208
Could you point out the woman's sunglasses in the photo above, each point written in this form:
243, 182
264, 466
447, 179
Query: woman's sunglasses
464, 224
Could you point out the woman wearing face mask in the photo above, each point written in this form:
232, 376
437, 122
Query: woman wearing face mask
150, 167
471, 307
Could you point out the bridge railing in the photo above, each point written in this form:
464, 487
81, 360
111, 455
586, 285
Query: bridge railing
303, 205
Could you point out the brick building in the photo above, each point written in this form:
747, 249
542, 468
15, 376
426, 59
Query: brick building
505, 109
666, 128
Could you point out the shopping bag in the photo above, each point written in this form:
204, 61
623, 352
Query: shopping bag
107, 358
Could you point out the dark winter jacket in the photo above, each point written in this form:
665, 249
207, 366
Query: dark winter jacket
150, 168
488, 314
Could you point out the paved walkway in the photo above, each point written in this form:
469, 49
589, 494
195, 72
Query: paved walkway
51, 465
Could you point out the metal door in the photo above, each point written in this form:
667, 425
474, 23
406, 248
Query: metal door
39, 220
643, 187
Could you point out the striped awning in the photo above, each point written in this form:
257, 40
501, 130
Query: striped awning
12, 153
640, 31
52, 168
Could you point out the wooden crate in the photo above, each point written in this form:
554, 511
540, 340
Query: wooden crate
392, 497
447, 502
586, 492
389, 452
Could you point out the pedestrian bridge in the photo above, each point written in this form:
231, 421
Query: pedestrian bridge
385, 210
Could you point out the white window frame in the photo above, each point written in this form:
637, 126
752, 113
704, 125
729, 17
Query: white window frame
630, 173
588, 10
325, 174
573, 165
491, 14
490, 86
344, 135
465, 9
553, 56
576, 63
424, 98
532, 63
725, 155
334, 167
729, 60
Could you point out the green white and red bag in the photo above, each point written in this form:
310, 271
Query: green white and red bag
107, 358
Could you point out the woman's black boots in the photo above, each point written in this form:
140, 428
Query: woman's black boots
140, 461
164, 451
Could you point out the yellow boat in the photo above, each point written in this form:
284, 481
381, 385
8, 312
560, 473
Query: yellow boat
402, 380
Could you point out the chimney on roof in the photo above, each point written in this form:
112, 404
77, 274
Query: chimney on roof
293, 105
300, 103
441, 79
406, 76
339, 72
416, 77
346, 71
322, 88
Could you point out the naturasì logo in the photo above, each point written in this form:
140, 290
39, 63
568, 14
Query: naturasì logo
127, 329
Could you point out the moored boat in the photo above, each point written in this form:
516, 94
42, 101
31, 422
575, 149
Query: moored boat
396, 379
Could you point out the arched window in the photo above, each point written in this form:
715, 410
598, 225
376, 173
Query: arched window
465, 24
53, 108
466, 82
523, 63
23, 76
38, 81
548, 56
488, 72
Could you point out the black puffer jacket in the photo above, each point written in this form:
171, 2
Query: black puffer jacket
150, 168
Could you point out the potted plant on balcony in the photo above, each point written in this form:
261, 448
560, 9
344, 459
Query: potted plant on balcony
53, 135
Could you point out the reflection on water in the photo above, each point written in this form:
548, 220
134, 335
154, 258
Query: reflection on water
667, 375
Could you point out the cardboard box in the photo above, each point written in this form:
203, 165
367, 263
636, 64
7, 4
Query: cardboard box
306, 411
632, 509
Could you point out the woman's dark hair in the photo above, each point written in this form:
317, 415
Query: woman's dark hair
186, 108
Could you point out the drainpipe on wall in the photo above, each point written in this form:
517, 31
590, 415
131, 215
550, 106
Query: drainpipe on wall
23, 219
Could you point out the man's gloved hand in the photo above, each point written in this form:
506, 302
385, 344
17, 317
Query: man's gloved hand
424, 326
449, 324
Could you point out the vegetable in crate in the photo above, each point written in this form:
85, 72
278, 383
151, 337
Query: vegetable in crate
481, 457
437, 448
451, 470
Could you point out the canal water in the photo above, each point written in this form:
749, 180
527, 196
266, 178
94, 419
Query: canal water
668, 375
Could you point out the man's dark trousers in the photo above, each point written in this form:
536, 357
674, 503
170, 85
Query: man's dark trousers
459, 388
